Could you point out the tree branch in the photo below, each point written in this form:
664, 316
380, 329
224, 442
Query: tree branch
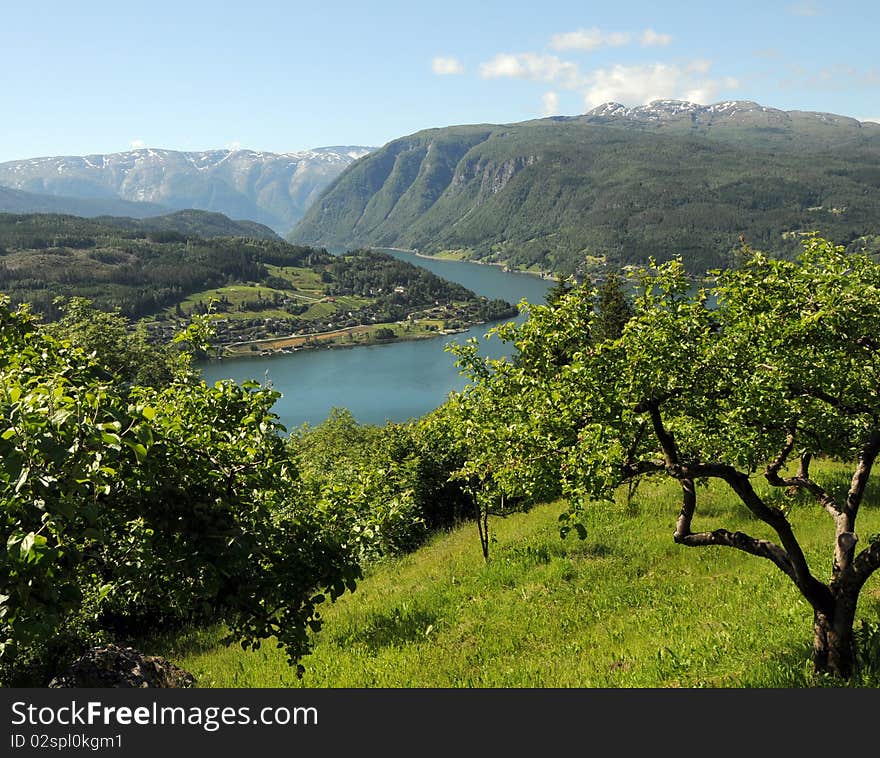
867, 456
639, 468
864, 564
631, 451
779, 461
804, 468
762, 548
868, 342
688, 507
845, 537
665, 438
835, 402
790, 554
802, 480
742, 541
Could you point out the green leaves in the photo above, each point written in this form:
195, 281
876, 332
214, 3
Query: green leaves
732, 368
27, 547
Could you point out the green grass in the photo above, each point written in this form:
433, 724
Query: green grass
303, 279
235, 294
625, 607
462, 254
305, 287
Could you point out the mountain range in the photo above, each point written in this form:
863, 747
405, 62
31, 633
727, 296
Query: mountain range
19, 201
269, 188
614, 186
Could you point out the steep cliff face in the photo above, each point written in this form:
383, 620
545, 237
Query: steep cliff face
408, 191
391, 189
616, 184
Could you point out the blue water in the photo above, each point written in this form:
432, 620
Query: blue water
380, 383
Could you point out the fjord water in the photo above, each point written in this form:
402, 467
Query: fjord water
380, 383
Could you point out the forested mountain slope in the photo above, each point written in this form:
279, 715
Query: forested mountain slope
616, 185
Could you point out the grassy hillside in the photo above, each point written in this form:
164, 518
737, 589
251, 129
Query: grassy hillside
548, 194
623, 608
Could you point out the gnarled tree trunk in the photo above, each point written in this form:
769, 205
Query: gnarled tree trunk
833, 648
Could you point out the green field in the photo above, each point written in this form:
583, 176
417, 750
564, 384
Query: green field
305, 290
625, 607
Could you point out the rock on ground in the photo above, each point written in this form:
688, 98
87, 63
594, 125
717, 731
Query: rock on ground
115, 666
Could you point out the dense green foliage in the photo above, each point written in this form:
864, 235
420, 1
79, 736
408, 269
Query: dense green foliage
42, 230
499, 463
192, 223
391, 485
126, 507
565, 195
363, 477
126, 355
403, 287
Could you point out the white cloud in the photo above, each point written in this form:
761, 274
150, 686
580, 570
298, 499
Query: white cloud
628, 84
636, 85
650, 38
875, 119
589, 39
137, 144
446, 66
805, 8
550, 104
698, 66
541, 68
234, 145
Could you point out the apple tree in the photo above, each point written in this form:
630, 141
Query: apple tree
773, 366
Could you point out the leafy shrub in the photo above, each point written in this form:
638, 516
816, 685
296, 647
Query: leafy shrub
123, 506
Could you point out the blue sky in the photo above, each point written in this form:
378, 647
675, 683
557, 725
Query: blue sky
97, 77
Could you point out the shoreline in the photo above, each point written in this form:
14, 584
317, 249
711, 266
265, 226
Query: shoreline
324, 341
268, 347
549, 275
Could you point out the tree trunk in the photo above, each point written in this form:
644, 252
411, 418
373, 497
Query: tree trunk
482, 515
833, 651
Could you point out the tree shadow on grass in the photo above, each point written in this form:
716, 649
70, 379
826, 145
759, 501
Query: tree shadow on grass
180, 643
401, 625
